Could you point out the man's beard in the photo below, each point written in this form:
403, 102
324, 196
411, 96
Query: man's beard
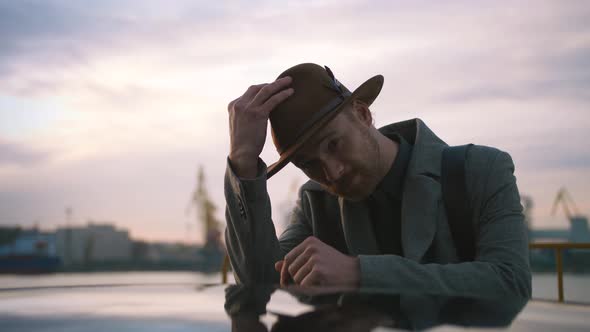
367, 172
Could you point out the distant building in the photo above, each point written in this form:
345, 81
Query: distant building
579, 229
161, 252
30, 242
93, 243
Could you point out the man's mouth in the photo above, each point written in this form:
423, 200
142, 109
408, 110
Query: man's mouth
343, 185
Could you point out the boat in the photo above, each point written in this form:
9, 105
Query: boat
29, 251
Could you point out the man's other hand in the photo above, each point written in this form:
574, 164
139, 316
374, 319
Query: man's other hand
314, 263
248, 121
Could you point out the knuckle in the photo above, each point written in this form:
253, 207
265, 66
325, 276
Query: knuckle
288, 259
238, 105
313, 260
307, 281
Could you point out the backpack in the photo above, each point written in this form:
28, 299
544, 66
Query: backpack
456, 200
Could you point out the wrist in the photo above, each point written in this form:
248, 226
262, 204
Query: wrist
356, 271
244, 166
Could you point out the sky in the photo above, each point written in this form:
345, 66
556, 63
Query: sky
110, 107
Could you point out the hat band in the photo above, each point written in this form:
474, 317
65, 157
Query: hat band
327, 109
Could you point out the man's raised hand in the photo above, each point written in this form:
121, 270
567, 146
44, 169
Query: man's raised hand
248, 121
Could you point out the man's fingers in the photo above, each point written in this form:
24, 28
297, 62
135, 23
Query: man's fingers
284, 274
303, 272
299, 261
253, 91
276, 99
231, 104
279, 265
311, 279
300, 248
270, 89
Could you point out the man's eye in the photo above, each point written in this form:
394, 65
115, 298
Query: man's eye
333, 144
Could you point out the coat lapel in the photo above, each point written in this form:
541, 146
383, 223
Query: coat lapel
419, 211
422, 191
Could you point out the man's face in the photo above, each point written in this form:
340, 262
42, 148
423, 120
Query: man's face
344, 156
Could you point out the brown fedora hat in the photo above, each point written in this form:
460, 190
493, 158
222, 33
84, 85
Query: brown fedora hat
317, 99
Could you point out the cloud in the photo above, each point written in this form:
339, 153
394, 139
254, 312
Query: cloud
554, 158
14, 154
561, 74
432, 52
49, 46
52, 32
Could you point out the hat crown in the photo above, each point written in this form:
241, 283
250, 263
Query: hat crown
315, 91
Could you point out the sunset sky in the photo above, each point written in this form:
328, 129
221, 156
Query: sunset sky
109, 107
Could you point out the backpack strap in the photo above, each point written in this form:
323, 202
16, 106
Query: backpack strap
457, 203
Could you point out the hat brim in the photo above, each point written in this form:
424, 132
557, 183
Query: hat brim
366, 92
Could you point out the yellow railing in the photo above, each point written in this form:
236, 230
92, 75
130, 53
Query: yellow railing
224, 268
559, 247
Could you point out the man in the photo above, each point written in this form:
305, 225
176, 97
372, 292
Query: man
371, 215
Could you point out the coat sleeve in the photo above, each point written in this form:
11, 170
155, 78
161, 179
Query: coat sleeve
502, 258
250, 235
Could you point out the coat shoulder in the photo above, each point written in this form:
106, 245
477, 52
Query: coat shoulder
312, 186
487, 170
481, 160
481, 154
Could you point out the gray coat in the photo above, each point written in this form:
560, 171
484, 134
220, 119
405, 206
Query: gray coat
430, 263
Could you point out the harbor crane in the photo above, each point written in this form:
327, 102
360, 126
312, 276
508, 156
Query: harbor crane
205, 212
578, 223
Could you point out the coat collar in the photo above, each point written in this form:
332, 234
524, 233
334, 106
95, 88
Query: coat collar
427, 147
420, 204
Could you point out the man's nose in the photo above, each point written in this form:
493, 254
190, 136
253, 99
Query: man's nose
333, 169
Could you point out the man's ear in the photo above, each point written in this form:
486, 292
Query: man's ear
362, 112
